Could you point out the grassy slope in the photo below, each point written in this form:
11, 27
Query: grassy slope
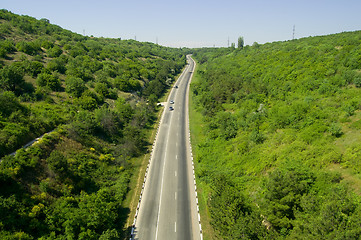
249, 163
96, 163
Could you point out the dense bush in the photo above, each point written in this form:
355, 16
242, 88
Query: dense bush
54, 52
12, 78
75, 86
30, 48
48, 80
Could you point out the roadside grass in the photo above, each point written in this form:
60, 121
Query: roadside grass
196, 126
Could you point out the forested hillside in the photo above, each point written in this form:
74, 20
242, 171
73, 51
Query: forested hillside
98, 98
276, 129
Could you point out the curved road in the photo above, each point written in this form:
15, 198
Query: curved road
168, 207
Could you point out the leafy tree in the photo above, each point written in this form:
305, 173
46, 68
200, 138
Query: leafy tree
107, 121
227, 204
31, 48
357, 82
11, 78
283, 191
48, 80
154, 87
6, 46
33, 68
124, 110
87, 102
240, 42
335, 130
58, 164
47, 44
54, 52
75, 86
9, 104
57, 64
102, 89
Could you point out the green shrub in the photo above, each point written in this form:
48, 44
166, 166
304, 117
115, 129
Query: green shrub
335, 129
54, 52
75, 86
11, 78
30, 48
48, 80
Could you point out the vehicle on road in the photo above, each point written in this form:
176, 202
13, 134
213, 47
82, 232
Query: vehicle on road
171, 108
171, 102
176, 86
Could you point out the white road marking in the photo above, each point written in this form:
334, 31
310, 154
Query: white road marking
175, 226
161, 188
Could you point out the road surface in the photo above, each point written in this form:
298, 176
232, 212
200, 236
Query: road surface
168, 207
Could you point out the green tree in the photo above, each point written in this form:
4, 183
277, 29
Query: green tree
11, 78
58, 164
357, 82
57, 64
48, 80
240, 42
283, 191
33, 68
30, 48
75, 86
54, 52
102, 89
124, 110
87, 102
9, 103
6, 46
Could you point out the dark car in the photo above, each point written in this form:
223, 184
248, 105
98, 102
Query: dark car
171, 108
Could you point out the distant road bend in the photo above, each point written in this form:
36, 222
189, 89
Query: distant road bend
168, 207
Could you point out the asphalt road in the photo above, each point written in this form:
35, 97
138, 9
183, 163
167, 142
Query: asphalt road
168, 207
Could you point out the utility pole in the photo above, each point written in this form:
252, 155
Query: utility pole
135, 37
228, 42
156, 41
293, 34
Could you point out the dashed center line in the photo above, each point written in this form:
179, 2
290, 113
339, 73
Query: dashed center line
175, 226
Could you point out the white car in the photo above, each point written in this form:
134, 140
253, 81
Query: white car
171, 102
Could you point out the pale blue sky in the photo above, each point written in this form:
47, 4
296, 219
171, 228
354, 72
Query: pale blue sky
197, 23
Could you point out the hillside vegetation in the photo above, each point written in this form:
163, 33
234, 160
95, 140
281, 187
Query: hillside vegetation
99, 96
278, 152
